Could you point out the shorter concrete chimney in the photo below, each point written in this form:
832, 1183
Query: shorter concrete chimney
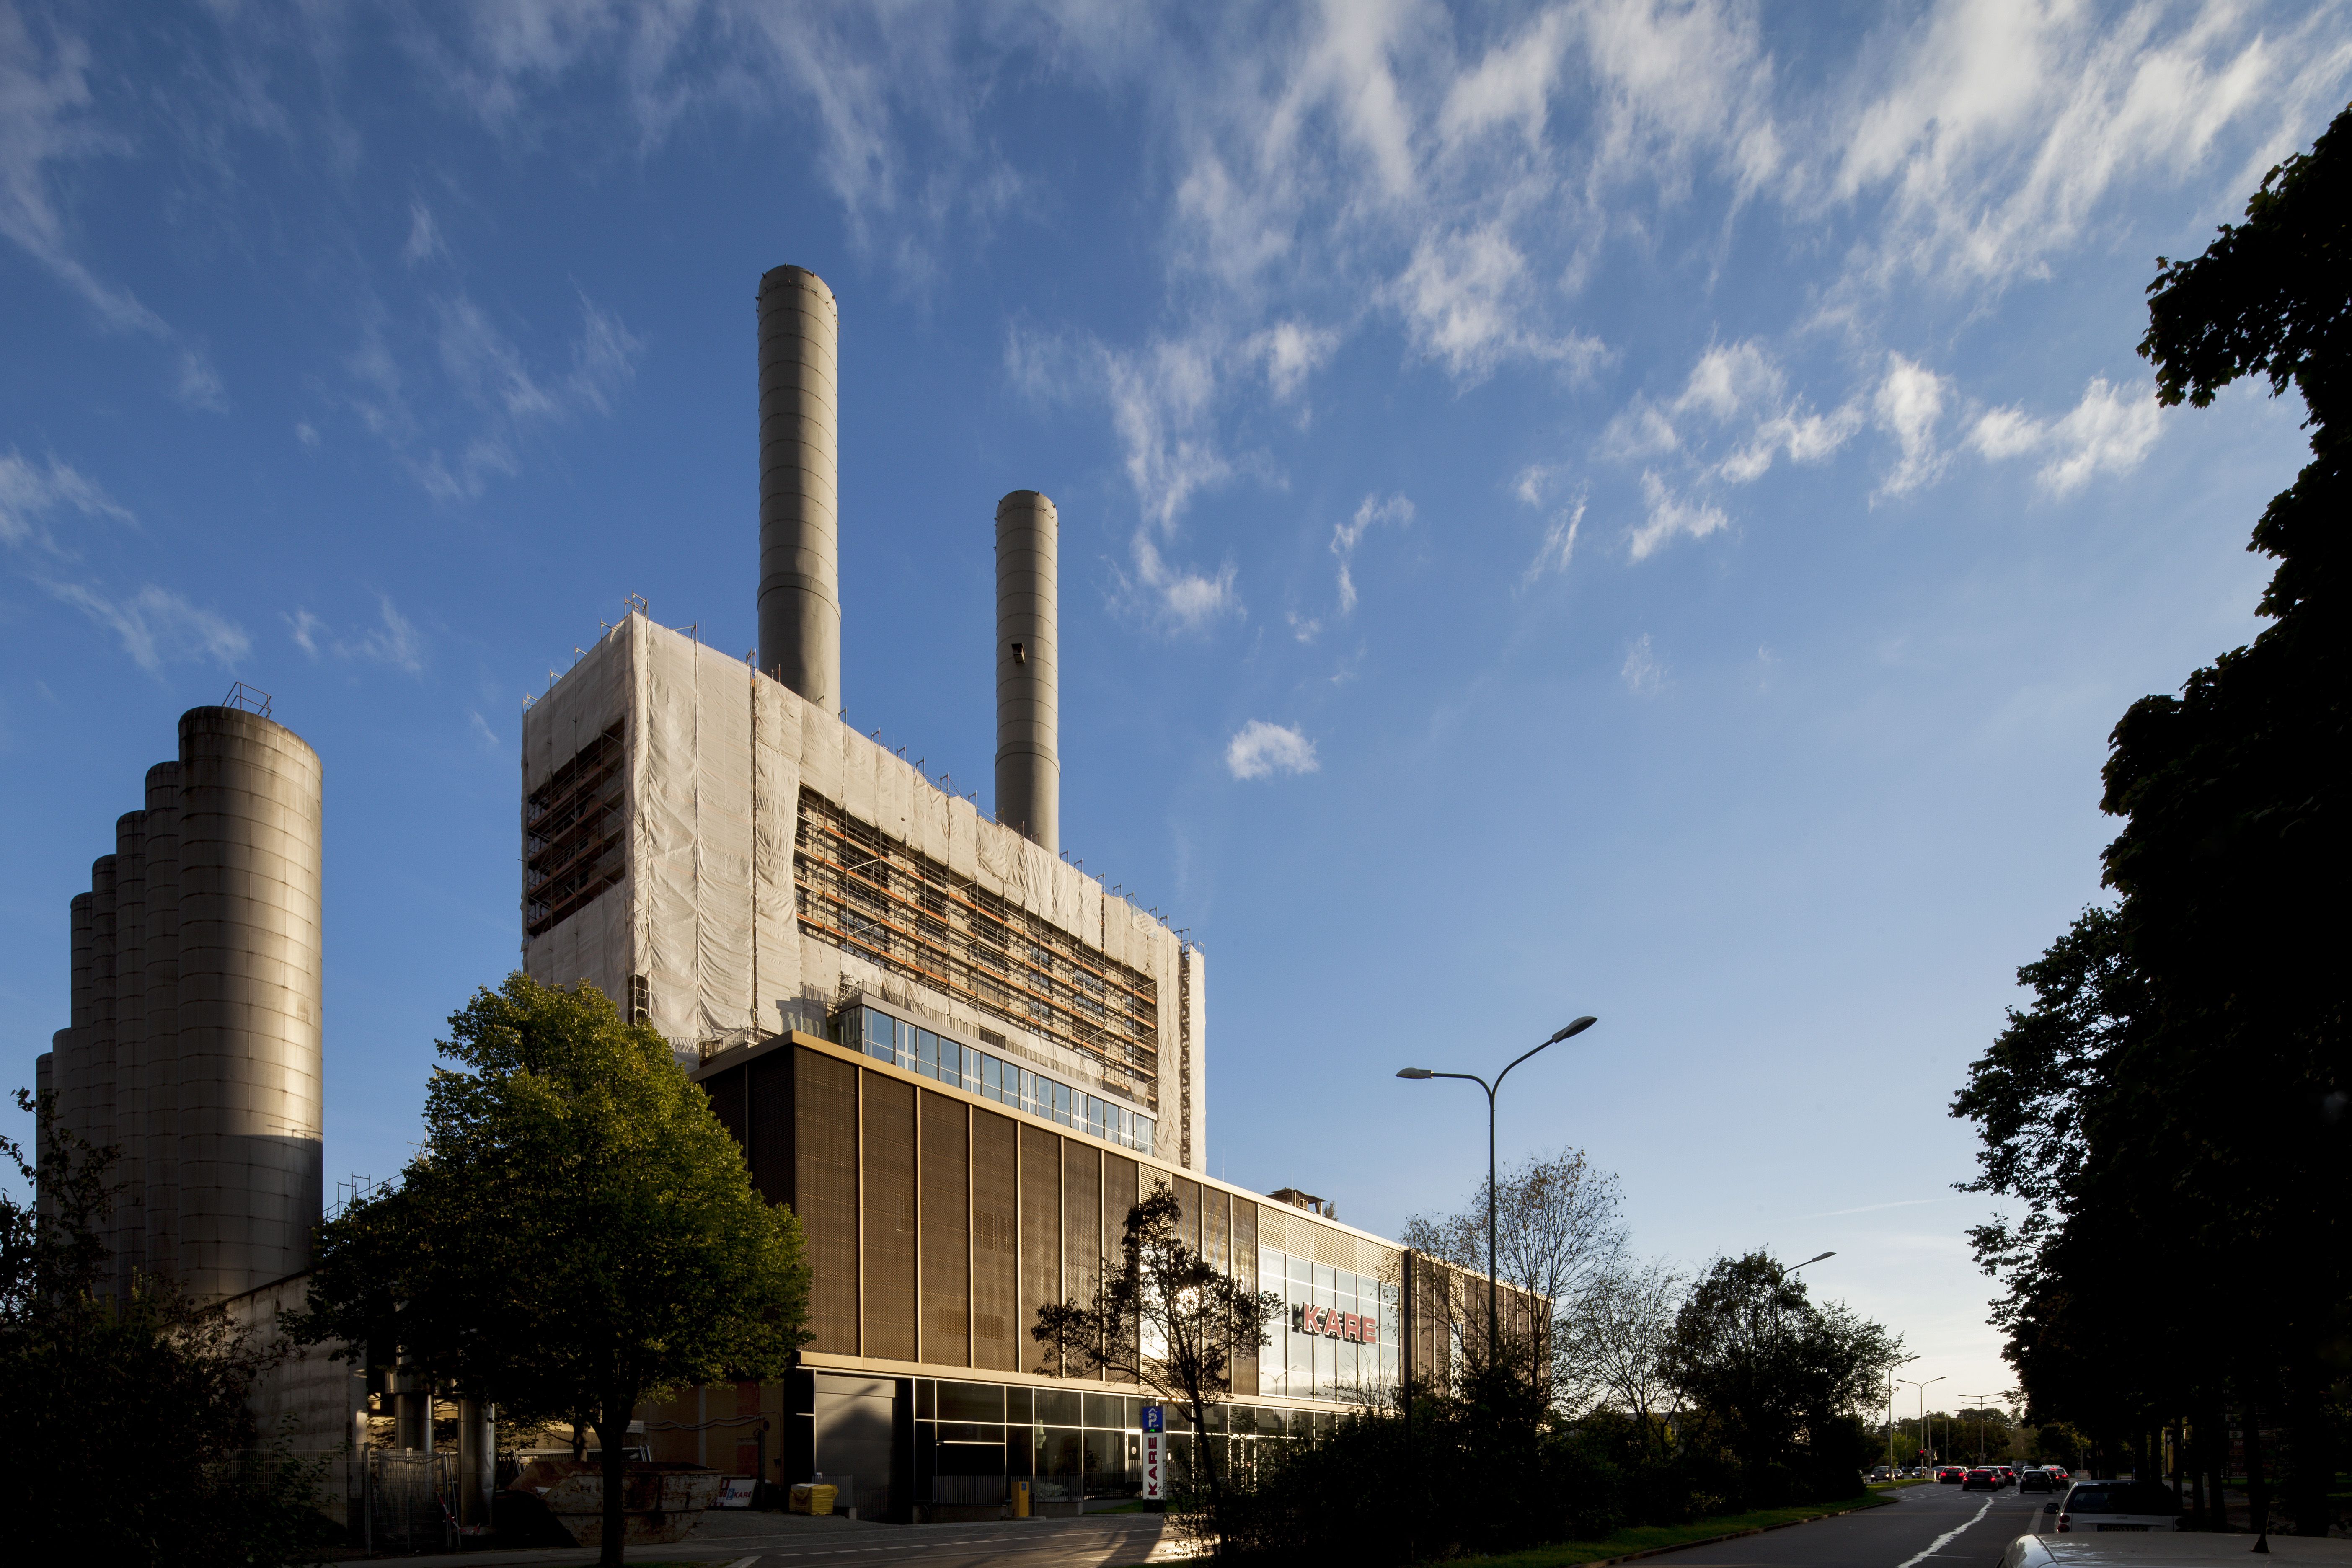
1028, 668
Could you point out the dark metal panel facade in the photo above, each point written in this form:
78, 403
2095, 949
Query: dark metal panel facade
824, 1181
887, 1161
946, 1181
996, 1323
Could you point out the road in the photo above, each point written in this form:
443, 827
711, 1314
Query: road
1935, 1525
1930, 1526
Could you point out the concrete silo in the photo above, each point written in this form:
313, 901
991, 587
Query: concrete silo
160, 1045
247, 1057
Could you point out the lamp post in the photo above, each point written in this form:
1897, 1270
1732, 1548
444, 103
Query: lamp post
1979, 1399
1922, 1387
1494, 1311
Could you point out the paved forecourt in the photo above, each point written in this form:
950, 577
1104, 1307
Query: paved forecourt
1932, 1526
785, 1540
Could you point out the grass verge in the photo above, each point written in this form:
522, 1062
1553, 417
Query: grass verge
1650, 1538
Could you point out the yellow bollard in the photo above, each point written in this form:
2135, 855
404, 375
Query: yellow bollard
1021, 1499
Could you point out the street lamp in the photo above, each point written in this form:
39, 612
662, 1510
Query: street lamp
1494, 1311
1981, 1399
1922, 1387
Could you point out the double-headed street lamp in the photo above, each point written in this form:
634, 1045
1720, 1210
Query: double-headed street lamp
1494, 1312
1922, 1387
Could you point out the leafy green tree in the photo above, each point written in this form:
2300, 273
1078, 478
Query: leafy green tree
1753, 1353
577, 1233
1166, 1318
129, 1435
2179, 1088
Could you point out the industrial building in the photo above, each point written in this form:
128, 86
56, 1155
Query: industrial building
959, 1057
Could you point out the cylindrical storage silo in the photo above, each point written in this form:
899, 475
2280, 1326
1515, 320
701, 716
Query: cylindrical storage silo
247, 1110
161, 1050
799, 490
127, 1222
45, 1082
97, 1062
1028, 668
70, 1074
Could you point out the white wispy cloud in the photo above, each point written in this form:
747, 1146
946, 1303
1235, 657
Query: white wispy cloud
1161, 399
2111, 429
1909, 405
502, 397
1465, 301
1259, 750
1668, 517
1641, 673
47, 121
1535, 486
392, 640
1996, 131
159, 627
1345, 536
423, 243
30, 493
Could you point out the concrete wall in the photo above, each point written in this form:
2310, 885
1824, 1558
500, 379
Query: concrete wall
717, 758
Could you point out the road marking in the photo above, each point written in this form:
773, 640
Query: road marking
1945, 1540
744, 1561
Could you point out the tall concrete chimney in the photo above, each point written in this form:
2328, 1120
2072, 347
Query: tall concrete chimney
800, 489
1028, 668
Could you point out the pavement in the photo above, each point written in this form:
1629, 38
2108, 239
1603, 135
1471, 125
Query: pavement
1931, 1526
749, 1540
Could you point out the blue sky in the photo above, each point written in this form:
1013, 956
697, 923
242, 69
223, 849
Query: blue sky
1636, 506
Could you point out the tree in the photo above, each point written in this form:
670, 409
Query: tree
88, 1380
1615, 1345
2179, 1087
1559, 1230
577, 1233
1752, 1352
1168, 1318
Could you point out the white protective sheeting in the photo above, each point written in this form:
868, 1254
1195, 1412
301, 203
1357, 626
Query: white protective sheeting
723, 803
776, 732
661, 846
595, 943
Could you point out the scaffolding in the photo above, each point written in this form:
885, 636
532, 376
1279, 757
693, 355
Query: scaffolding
865, 891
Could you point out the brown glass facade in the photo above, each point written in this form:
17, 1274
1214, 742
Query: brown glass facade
939, 1221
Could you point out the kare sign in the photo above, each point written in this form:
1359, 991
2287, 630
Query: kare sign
1155, 1457
1358, 1329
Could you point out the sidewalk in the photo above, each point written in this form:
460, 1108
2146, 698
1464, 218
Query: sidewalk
722, 1535
733, 1537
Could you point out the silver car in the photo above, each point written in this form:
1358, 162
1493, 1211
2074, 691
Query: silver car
2132, 1507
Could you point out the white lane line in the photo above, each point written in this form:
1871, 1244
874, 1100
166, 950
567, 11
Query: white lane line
744, 1561
1944, 1540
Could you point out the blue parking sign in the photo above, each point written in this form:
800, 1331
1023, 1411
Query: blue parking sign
1155, 1418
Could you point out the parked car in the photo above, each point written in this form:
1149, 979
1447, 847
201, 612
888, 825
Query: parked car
2172, 1550
1982, 1478
2131, 1507
2035, 1481
1950, 1473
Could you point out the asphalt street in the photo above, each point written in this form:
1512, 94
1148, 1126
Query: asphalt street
1931, 1525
